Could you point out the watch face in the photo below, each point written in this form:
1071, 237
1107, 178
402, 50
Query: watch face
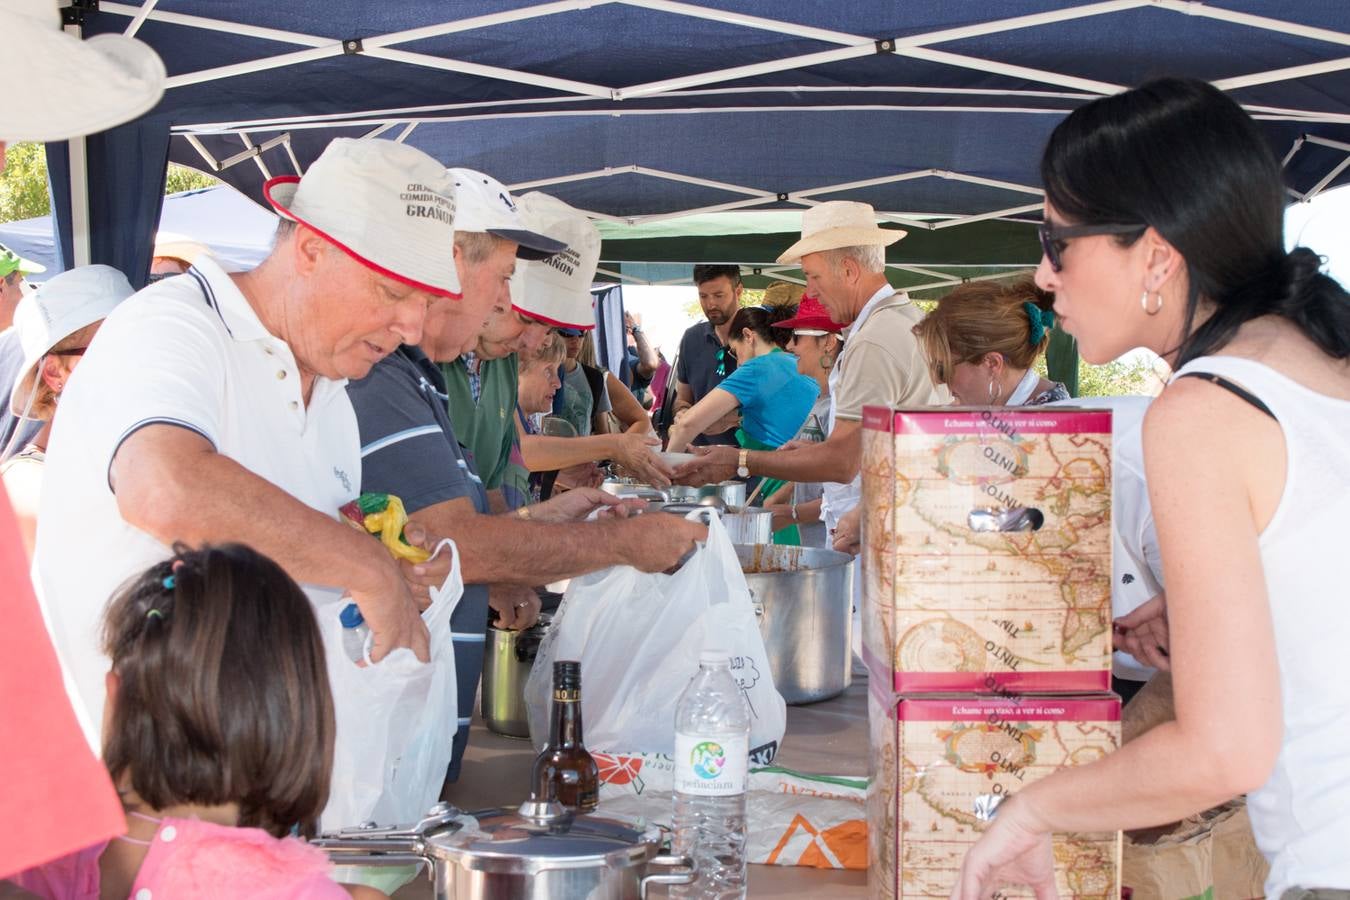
742, 472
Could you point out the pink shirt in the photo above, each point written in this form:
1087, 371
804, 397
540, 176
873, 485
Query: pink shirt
190, 858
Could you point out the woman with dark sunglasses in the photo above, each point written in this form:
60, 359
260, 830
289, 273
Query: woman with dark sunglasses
1164, 229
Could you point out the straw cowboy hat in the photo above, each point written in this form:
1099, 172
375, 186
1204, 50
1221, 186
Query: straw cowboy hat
838, 224
62, 87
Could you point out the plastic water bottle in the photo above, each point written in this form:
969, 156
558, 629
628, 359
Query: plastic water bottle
712, 761
354, 633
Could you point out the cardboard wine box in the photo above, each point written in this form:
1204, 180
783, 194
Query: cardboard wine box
939, 762
987, 549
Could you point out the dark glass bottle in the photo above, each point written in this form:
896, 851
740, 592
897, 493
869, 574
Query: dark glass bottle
564, 771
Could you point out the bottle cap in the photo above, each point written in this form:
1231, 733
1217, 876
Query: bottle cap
351, 617
714, 657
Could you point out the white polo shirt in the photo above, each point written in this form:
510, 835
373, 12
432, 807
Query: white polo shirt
187, 351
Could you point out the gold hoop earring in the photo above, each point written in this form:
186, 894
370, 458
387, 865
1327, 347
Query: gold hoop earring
993, 393
1143, 302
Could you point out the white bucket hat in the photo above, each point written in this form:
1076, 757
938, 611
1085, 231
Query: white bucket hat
389, 206
557, 290
62, 306
839, 224
486, 205
63, 87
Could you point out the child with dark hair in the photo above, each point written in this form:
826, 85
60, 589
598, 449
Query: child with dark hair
218, 734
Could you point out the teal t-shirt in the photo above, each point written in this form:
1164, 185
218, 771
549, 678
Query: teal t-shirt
487, 427
775, 398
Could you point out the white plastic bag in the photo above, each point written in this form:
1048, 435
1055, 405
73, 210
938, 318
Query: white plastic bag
396, 720
638, 638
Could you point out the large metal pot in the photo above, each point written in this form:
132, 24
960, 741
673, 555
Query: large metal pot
804, 599
749, 525
535, 852
507, 662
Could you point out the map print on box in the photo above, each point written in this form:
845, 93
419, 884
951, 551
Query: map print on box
934, 758
951, 608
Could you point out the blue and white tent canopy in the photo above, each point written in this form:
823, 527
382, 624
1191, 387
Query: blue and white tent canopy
933, 111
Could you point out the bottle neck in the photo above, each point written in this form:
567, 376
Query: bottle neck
565, 730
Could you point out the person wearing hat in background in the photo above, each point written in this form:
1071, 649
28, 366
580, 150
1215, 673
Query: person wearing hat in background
55, 327
13, 271
816, 343
843, 256
410, 447
559, 291
58, 797
212, 407
490, 238
174, 254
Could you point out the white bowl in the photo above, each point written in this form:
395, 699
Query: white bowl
674, 459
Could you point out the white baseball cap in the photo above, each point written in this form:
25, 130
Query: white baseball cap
486, 205
389, 206
62, 87
557, 290
62, 306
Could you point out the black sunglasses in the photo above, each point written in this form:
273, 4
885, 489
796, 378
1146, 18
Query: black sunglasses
1055, 238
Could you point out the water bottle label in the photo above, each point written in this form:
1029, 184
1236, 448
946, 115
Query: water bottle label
711, 767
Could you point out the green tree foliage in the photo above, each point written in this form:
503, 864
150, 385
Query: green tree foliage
182, 178
1121, 377
23, 185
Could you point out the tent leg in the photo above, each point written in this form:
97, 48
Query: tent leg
79, 202
79, 186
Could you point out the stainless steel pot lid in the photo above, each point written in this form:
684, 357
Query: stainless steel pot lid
537, 837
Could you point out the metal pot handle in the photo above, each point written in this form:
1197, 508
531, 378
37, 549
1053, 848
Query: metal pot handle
756, 604
404, 842
668, 861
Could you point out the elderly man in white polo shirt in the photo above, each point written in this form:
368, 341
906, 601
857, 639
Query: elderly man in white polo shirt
213, 407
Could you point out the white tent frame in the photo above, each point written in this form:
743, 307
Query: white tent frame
849, 46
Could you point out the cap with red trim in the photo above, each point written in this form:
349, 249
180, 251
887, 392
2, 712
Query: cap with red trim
389, 206
557, 290
486, 205
811, 317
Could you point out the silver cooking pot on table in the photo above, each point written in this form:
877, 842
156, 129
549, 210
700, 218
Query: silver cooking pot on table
803, 597
535, 852
507, 661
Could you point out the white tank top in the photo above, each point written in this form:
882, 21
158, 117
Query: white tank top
1301, 816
